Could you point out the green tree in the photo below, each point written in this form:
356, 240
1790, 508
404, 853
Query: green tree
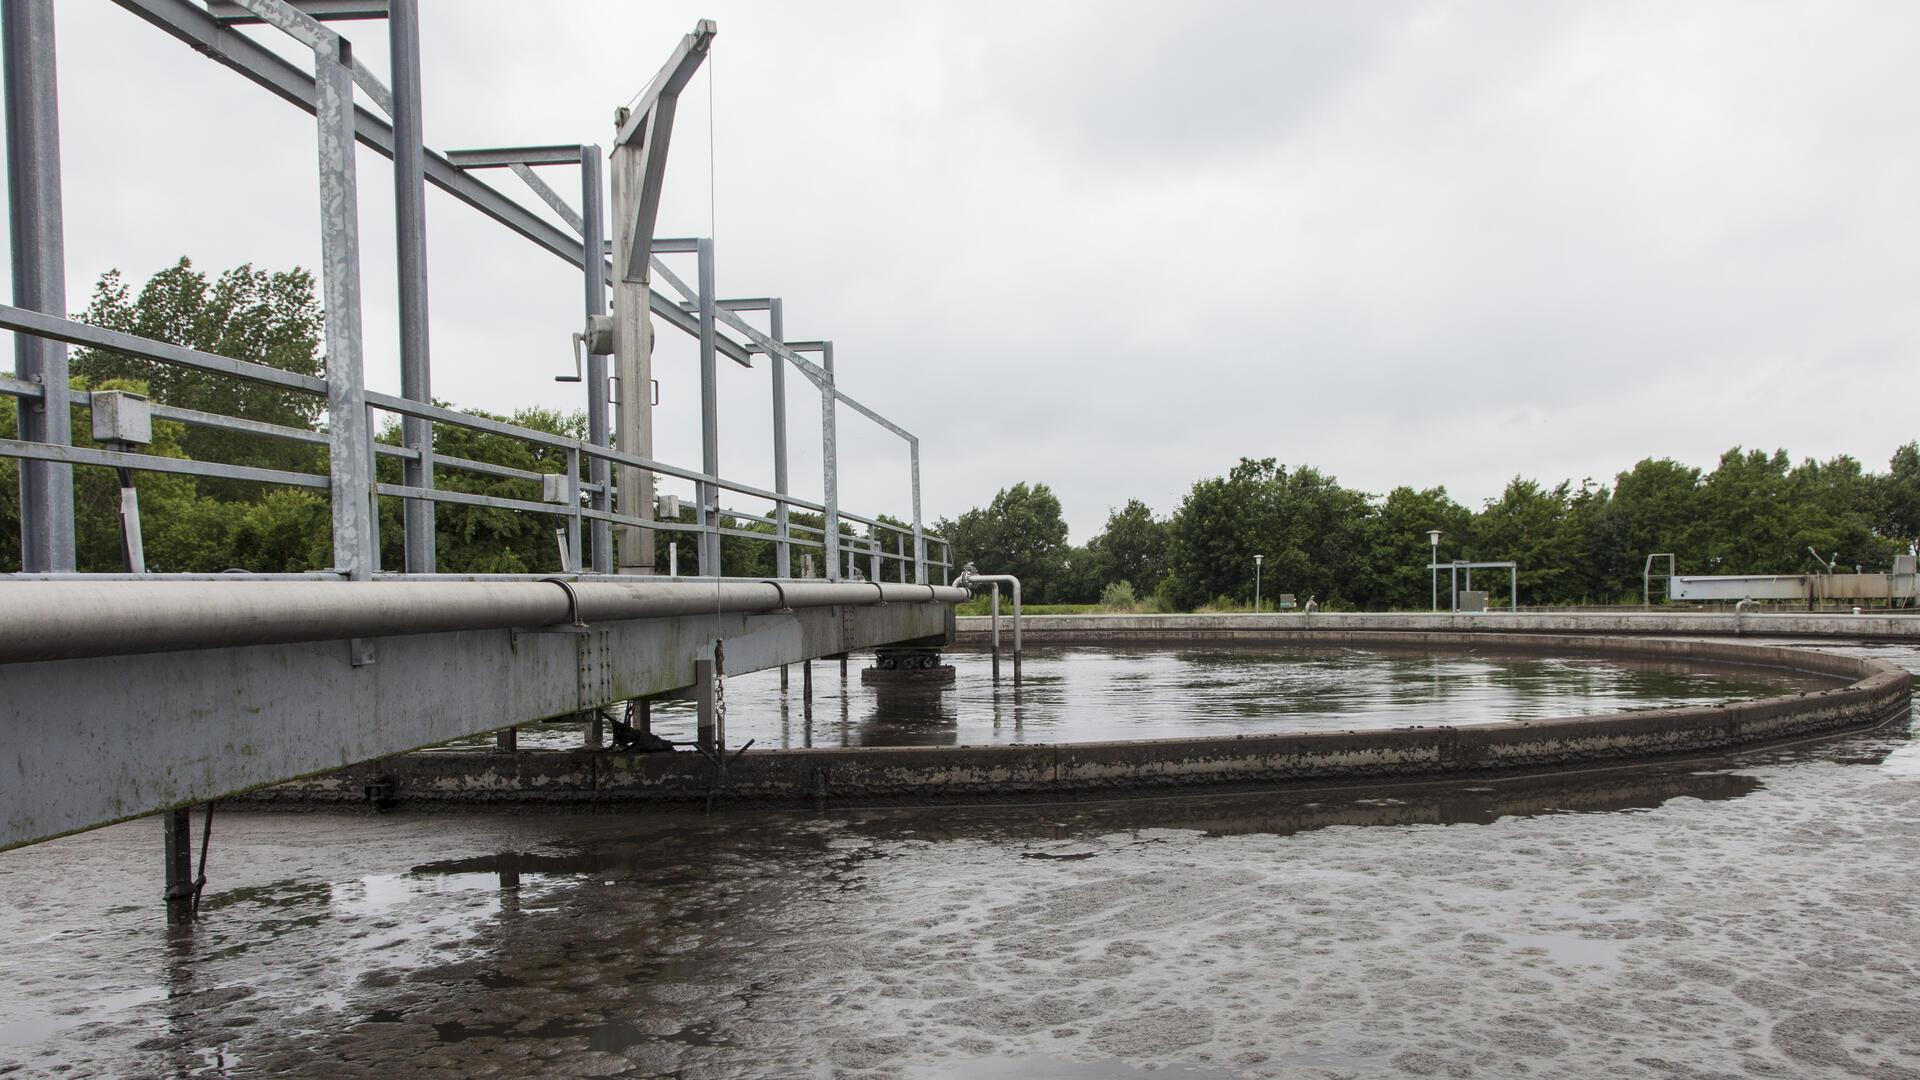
1310, 530
1835, 507
1021, 533
1132, 548
485, 539
1656, 508
268, 318
1397, 548
1524, 526
1747, 515
1898, 497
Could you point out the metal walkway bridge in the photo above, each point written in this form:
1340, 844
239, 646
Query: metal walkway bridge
131, 693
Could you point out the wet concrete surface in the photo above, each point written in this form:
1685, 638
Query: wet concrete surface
1749, 916
1097, 693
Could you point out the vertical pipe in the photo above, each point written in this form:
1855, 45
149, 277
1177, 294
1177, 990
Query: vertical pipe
39, 277
709, 415
873, 555
806, 691
900, 553
919, 527
1513, 588
782, 549
349, 456
1016, 631
830, 465
410, 227
593, 241
996, 632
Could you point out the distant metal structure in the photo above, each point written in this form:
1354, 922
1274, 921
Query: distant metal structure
1459, 566
278, 672
1899, 587
1646, 577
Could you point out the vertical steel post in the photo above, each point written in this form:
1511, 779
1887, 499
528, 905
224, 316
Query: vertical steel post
633, 362
830, 465
1513, 588
177, 834
39, 277
349, 446
1433, 564
593, 241
919, 527
709, 414
873, 556
574, 532
410, 226
705, 726
782, 548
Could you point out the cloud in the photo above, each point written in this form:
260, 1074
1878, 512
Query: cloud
1114, 247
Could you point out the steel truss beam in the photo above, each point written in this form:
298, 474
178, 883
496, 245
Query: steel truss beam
115, 748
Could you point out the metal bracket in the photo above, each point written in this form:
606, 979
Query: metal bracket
784, 606
361, 651
573, 625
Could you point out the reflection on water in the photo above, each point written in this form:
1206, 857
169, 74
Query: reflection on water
1023, 940
1477, 928
1090, 694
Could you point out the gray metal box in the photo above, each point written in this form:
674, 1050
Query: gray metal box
1473, 600
553, 487
121, 416
1903, 564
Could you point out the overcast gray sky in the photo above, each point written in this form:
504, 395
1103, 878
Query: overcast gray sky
1114, 247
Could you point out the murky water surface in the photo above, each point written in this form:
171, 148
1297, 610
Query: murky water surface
1750, 916
1089, 694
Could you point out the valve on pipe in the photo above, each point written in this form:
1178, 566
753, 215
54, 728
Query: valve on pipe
971, 579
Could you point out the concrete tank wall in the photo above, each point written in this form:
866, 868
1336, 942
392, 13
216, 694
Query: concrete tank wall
1874, 692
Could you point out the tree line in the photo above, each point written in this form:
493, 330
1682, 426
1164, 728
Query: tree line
1753, 513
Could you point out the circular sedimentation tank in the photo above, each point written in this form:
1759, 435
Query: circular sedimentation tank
1739, 694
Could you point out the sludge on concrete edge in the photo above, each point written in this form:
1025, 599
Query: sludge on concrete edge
1876, 692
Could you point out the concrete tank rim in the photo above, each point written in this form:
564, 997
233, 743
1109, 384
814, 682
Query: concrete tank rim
1876, 692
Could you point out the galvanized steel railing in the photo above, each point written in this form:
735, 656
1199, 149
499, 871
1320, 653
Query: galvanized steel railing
582, 497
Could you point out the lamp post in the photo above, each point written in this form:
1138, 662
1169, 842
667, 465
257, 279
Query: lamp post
1433, 565
1256, 583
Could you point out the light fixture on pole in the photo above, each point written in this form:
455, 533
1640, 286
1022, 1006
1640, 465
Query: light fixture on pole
1256, 583
1433, 565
